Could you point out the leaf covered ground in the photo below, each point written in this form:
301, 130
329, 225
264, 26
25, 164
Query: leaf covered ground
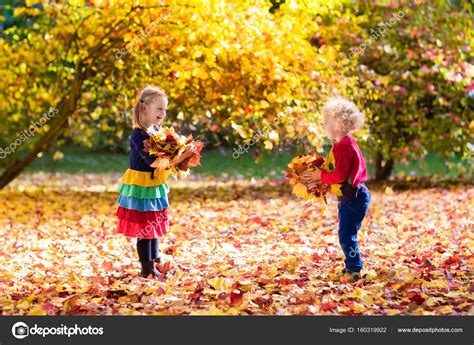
235, 247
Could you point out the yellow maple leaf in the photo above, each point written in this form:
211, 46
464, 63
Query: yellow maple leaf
336, 189
300, 191
23, 304
217, 283
37, 311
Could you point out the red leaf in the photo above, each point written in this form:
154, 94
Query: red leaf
236, 297
316, 257
414, 296
107, 265
259, 220
163, 268
451, 260
160, 291
263, 302
327, 306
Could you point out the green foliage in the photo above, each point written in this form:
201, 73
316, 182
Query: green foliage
421, 71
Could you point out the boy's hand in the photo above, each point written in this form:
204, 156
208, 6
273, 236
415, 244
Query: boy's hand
311, 185
312, 176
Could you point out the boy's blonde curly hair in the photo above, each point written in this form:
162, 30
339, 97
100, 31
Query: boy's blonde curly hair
345, 113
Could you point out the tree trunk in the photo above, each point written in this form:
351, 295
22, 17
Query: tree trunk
383, 168
56, 127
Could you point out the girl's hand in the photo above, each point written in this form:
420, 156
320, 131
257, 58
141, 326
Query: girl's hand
160, 163
190, 149
188, 152
312, 176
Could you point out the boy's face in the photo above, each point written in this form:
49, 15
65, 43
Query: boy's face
155, 112
331, 126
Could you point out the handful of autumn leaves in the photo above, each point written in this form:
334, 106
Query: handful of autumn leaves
307, 163
165, 143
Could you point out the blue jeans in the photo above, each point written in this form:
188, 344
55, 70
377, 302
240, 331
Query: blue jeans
351, 214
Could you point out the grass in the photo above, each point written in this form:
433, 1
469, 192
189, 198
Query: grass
77, 160
221, 163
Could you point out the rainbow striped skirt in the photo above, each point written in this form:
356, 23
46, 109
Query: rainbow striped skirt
143, 204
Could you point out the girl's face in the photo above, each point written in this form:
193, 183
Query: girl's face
154, 112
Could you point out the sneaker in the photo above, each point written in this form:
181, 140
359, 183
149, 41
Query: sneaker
355, 276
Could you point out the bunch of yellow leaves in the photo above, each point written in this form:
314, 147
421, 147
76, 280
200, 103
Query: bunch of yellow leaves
304, 163
165, 143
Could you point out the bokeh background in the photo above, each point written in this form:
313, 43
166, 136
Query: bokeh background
231, 70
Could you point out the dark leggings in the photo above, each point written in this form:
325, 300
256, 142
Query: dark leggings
147, 249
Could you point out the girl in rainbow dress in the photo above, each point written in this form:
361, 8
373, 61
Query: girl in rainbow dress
143, 200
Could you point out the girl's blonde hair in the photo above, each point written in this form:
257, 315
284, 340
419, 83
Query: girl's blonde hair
345, 113
146, 96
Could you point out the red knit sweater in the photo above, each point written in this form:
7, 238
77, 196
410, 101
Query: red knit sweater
349, 163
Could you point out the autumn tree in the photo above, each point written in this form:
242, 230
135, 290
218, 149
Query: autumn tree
230, 68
